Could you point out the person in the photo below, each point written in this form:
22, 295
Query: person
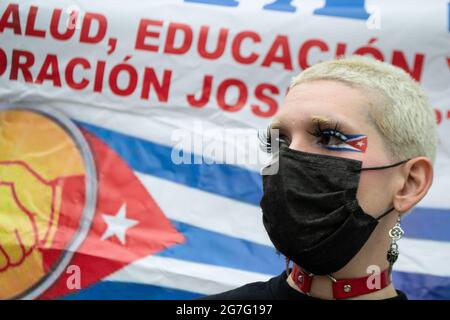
356, 142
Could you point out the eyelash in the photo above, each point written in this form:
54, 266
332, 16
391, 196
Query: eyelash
265, 139
265, 142
328, 132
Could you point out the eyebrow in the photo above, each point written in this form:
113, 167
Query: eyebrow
322, 120
331, 121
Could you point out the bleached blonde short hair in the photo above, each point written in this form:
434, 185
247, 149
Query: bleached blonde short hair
400, 109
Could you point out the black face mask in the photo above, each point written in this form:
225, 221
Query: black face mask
310, 210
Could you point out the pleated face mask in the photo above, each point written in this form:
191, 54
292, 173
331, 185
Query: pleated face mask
310, 210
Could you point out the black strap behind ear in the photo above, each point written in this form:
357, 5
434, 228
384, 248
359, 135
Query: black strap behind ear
385, 167
386, 213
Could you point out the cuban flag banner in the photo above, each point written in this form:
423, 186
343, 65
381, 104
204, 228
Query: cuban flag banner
113, 116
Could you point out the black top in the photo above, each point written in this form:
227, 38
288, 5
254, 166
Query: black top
275, 288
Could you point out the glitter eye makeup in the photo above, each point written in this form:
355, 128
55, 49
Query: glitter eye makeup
332, 138
328, 136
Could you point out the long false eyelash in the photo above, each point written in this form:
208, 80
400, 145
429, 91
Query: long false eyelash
319, 132
264, 138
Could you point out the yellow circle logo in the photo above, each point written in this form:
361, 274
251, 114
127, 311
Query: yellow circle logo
41, 155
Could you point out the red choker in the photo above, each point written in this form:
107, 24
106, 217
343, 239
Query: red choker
342, 289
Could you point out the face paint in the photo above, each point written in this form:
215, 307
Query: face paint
332, 138
355, 143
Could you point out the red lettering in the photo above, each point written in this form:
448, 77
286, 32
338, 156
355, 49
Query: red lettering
281, 42
30, 29
132, 79
143, 33
49, 71
399, 60
268, 100
242, 95
236, 47
54, 23
438, 114
340, 49
170, 41
24, 67
99, 74
161, 88
205, 96
89, 17
203, 40
69, 73
3, 61
11, 11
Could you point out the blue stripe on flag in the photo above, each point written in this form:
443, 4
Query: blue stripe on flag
427, 223
155, 159
237, 183
208, 247
422, 286
108, 290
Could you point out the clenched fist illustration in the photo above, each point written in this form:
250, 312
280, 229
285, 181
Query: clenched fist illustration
41, 199
28, 213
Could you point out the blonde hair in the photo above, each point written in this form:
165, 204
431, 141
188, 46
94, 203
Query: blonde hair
400, 111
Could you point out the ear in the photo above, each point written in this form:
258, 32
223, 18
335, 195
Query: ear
417, 179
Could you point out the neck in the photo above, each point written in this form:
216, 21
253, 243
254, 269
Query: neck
321, 287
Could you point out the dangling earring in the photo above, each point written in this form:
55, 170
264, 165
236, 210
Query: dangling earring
396, 233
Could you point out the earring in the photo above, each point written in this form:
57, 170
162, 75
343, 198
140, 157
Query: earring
396, 233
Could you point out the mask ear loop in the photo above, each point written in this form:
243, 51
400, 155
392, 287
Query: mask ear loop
385, 213
385, 167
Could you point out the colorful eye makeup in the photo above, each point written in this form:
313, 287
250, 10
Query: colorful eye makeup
327, 135
334, 139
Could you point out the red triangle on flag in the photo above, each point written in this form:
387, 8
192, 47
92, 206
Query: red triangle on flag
128, 224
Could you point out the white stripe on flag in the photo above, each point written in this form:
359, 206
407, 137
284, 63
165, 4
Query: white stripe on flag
207, 210
184, 275
424, 256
